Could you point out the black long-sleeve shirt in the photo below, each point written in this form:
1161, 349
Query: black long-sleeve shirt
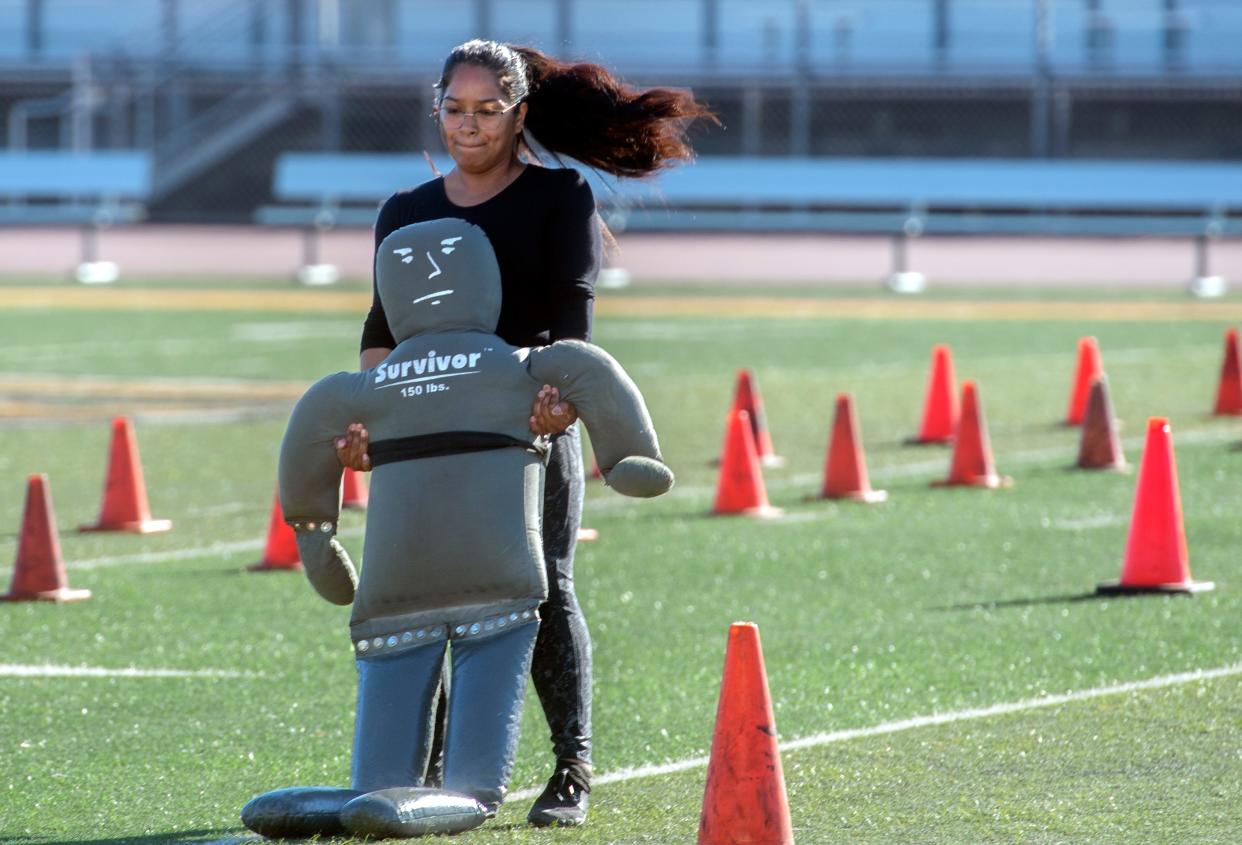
546, 238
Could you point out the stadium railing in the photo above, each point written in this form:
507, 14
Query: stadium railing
90, 190
901, 198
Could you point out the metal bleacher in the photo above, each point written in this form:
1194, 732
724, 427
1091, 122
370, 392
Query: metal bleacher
902, 198
950, 196
89, 190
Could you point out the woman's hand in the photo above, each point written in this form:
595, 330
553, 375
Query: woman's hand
550, 414
351, 449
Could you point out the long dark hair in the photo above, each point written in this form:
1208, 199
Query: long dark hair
581, 110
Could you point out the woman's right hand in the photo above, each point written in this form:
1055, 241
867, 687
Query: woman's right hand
351, 448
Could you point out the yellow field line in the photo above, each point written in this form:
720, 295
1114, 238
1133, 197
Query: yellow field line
80, 298
111, 387
357, 302
22, 410
915, 309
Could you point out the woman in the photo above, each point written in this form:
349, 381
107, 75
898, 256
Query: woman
491, 100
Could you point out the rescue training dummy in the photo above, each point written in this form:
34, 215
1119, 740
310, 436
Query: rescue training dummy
453, 567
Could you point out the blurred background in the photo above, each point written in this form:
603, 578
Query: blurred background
207, 100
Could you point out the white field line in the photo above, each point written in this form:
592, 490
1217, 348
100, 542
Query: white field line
821, 739
1103, 520
195, 553
47, 670
950, 717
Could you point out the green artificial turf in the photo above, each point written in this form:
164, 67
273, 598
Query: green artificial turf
935, 602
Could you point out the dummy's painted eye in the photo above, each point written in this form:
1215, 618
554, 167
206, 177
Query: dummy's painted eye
446, 245
405, 253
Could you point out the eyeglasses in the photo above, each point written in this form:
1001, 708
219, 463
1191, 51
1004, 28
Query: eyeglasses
452, 117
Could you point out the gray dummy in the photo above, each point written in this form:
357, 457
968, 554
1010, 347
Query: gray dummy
453, 569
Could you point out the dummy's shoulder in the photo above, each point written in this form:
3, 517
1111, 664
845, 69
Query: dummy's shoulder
569, 355
336, 388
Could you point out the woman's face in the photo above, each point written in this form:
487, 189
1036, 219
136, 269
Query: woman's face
477, 124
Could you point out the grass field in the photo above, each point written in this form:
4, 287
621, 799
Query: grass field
1058, 717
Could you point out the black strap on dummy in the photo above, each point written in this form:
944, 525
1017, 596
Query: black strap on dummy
447, 443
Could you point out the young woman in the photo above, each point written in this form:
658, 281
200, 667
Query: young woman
492, 101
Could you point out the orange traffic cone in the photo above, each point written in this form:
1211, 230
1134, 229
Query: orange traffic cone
1156, 558
940, 410
1229, 393
845, 472
125, 493
1100, 447
972, 465
744, 802
39, 572
281, 551
740, 489
354, 493
746, 398
1088, 368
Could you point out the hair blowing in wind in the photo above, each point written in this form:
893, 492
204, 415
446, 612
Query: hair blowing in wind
581, 110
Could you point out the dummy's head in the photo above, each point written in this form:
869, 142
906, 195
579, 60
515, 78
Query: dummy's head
439, 275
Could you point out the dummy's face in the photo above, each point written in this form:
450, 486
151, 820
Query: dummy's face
438, 275
432, 263
477, 123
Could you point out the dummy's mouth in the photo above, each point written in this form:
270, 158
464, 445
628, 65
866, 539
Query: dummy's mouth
432, 296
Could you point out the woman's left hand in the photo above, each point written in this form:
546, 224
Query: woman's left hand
550, 414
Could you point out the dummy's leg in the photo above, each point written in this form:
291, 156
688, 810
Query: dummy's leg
391, 740
390, 745
485, 711
561, 667
392, 728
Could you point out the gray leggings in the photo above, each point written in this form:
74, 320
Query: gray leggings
396, 700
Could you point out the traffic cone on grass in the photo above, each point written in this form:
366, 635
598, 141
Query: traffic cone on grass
746, 398
1099, 446
971, 465
1229, 392
281, 550
1156, 559
744, 802
940, 409
1087, 369
354, 493
845, 472
740, 487
39, 571
125, 505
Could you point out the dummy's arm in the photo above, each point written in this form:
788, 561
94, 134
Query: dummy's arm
608, 401
310, 478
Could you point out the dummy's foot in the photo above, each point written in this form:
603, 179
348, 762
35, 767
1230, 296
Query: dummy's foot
298, 812
565, 798
406, 811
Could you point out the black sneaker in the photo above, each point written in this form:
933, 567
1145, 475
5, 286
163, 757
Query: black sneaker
565, 798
